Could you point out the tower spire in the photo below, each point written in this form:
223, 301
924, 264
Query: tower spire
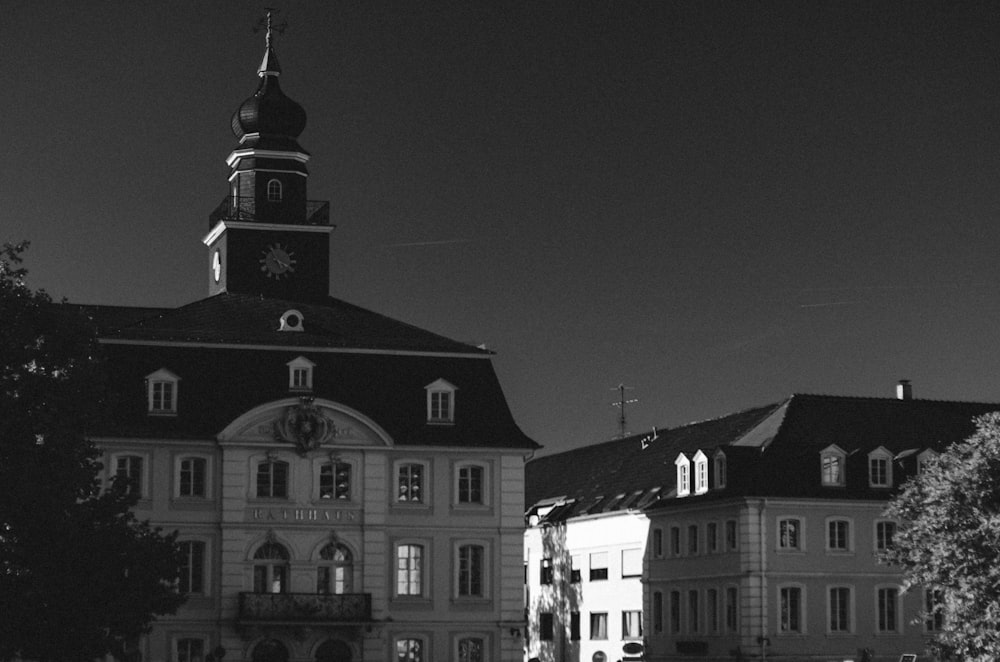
269, 65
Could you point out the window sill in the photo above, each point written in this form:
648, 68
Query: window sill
162, 414
440, 422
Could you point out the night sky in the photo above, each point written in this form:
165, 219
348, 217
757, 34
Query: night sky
716, 203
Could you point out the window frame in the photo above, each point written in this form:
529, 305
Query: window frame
274, 190
597, 617
848, 534
699, 476
269, 564
546, 626
483, 643
800, 538
694, 611
850, 612
484, 484
932, 616
334, 463
273, 461
785, 615
732, 535
144, 470
179, 460
881, 544
596, 574
463, 583
631, 562
187, 656
833, 452
332, 565
880, 454
300, 365
423, 483
421, 641
896, 609
693, 539
720, 466
712, 610
162, 377
631, 616
731, 608
657, 543
415, 579
683, 465
436, 391
195, 570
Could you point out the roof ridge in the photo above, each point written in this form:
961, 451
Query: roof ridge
875, 398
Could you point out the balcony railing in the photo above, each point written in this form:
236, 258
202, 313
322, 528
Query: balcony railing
305, 608
244, 208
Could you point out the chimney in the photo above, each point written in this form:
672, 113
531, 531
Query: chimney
904, 390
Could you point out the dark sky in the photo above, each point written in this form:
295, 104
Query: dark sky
716, 203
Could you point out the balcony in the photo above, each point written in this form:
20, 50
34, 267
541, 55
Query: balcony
243, 208
302, 608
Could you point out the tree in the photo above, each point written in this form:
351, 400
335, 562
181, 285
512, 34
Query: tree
948, 543
79, 575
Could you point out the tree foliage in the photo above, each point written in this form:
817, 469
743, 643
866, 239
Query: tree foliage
948, 542
79, 575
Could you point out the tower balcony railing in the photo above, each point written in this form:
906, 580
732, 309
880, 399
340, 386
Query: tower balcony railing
295, 608
245, 208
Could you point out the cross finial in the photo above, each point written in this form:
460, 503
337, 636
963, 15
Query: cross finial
265, 23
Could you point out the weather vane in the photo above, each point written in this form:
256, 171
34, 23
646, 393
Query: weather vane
621, 388
264, 22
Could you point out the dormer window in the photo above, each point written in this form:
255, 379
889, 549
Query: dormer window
274, 191
880, 468
700, 473
161, 393
300, 374
683, 475
720, 470
924, 460
832, 461
440, 402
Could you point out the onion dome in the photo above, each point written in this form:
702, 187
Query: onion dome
269, 113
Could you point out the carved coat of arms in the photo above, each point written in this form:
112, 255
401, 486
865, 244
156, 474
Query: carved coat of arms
303, 425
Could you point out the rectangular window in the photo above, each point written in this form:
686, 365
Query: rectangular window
300, 378
598, 625
888, 601
675, 612
791, 608
658, 543
933, 614
831, 469
470, 570
470, 484
162, 399
575, 564
675, 540
440, 406
272, 480
720, 471
409, 650
411, 483
657, 612
884, 532
192, 576
712, 537
190, 650
694, 612
693, 539
574, 626
192, 477
409, 569
598, 566
732, 609
631, 563
545, 572
335, 481
732, 541
712, 606
631, 625
788, 534
878, 471
546, 626
470, 649
128, 468
838, 535
840, 609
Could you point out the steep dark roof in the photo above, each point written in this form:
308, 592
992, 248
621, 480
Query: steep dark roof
595, 476
770, 451
252, 320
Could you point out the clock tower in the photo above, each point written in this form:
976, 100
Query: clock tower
267, 237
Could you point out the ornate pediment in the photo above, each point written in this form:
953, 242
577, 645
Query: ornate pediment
307, 424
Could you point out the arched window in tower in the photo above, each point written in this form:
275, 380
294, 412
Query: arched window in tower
274, 191
335, 571
270, 569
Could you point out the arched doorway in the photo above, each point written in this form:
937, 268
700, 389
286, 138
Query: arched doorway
333, 650
270, 650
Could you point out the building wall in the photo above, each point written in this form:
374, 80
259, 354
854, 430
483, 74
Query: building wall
583, 539
762, 566
233, 523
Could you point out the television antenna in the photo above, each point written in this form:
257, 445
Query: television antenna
622, 401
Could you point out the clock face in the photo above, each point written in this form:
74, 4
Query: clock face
277, 261
216, 265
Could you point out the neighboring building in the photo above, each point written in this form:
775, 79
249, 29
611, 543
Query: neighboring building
346, 487
761, 540
587, 536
